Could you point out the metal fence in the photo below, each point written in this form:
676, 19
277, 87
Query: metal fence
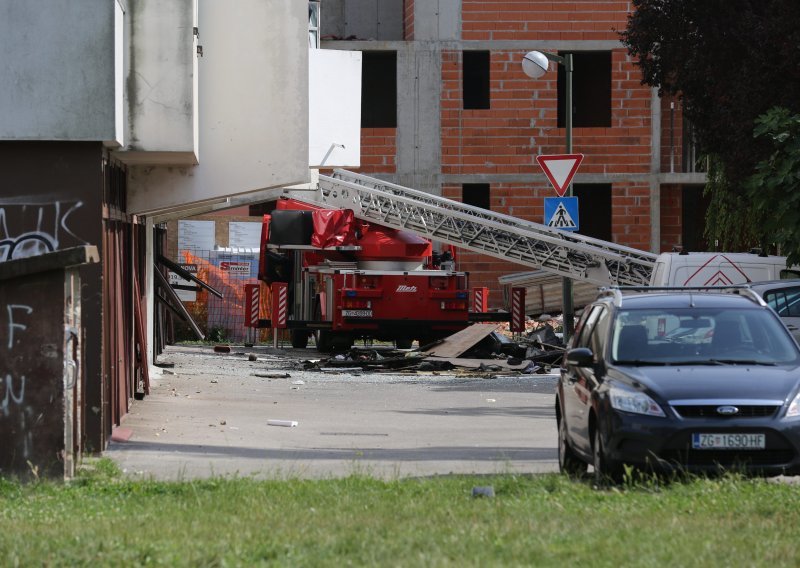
228, 271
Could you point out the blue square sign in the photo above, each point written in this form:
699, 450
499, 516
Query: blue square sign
561, 213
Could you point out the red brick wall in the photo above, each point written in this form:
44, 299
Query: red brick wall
542, 19
671, 132
522, 119
671, 227
630, 214
378, 150
523, 116
408, 20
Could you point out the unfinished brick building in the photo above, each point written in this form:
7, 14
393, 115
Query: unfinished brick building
446, 108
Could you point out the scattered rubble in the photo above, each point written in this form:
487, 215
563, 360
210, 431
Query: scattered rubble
478, 349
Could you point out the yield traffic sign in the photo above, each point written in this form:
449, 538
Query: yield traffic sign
559, 169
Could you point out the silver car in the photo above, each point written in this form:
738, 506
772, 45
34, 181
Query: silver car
783, 296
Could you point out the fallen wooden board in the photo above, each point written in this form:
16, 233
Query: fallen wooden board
462, 341
476, 363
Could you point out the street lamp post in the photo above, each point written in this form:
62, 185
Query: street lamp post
535, 64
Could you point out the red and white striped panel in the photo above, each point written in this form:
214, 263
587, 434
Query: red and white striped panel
280, 304
517, 310
480, 300
252, 299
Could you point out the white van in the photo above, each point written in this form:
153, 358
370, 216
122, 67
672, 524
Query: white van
718, 269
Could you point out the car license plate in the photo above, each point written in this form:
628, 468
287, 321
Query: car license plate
728, 441
357, 313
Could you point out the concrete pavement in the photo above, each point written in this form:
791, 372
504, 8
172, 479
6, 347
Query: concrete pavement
208, 416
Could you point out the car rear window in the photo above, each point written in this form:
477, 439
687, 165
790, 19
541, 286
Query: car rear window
701, 336
785, 301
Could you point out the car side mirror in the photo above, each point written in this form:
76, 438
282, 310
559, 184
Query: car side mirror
580, 357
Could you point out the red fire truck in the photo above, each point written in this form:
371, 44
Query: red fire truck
350, 279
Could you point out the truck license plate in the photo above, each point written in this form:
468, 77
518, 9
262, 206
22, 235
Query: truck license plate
728, 441
357, 313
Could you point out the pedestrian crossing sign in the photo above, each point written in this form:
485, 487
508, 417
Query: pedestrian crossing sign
561, 213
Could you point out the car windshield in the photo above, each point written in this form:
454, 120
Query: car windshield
701, 336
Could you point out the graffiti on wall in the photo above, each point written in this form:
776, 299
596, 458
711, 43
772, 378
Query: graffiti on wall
32, 228
12, 389
12, 386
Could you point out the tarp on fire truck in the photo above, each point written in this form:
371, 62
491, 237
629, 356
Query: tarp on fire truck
333, 228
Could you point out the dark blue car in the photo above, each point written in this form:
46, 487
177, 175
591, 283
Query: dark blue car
679, 380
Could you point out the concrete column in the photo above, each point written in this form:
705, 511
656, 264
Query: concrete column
419, 81
655, 171
150, 292
419, 138
437, 20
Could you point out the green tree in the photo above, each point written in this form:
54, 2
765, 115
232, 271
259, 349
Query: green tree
774, 188
729, 61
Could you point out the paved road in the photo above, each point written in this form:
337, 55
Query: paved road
210, 418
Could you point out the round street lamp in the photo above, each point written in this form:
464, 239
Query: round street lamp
535, 64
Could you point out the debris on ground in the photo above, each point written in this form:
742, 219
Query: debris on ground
479, 350
482, 353
286, 423
276, 375
462, 341
484, 491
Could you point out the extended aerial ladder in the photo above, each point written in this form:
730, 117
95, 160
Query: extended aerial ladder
501, 236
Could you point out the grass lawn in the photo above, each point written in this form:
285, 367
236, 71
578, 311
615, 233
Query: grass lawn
549, 520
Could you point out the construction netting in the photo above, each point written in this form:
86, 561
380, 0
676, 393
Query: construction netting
221, 319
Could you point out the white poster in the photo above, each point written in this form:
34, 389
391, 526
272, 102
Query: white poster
195, 235
175, 280
244, 234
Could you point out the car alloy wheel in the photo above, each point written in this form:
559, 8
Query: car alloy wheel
568, 462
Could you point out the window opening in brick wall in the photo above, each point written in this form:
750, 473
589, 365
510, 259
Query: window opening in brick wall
476, 79
591, 90
594, 209
476, 194
379, 89
694, 206
259, 209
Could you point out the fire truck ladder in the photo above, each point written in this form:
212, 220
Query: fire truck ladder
501, 236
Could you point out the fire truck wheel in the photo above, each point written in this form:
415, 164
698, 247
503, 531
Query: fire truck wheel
324, 341
403, 343
299, 338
